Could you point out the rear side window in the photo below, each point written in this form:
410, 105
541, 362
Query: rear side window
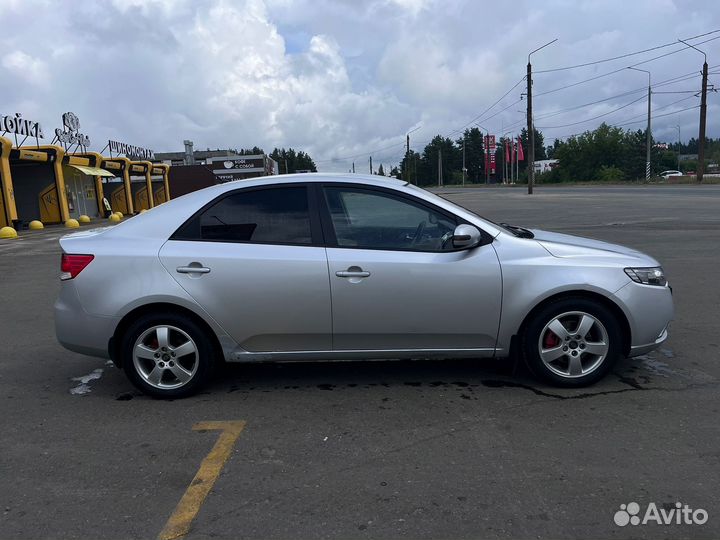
261, 216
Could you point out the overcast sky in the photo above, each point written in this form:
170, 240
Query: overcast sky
340, 79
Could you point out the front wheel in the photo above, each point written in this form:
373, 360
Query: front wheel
572, 342
167, 355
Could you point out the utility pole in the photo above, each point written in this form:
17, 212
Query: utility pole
679, 143
487, 158
463, 171
286, 168
353, 166
512, 161
530, 128
440, 178
407, 158
703, 115
648, 134
371, 165
531, 131
505, 165
407, 155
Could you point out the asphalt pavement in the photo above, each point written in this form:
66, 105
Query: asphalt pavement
421, 449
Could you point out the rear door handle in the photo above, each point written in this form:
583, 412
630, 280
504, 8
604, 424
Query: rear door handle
192, 270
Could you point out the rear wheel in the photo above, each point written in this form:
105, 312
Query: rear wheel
572, 342
167, 355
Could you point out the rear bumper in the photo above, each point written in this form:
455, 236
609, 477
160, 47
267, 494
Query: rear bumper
78, 331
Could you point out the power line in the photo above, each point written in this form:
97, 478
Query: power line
594, 117
617, 70
624, 123
662, 107
673, 80
660, 115
623, 55
478, 117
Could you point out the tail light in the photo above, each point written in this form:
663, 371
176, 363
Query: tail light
72, 265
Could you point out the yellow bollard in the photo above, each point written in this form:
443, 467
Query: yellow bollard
72, 223
35, 225
114, 218
84, 219
8, 232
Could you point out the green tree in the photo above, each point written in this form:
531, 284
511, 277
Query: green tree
474, 154
409, 167
540, 152
290, 161
381, 171
255, 150
451, 162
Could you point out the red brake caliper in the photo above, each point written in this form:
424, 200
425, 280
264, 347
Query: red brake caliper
551, 340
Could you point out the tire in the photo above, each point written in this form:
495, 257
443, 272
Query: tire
180, 369
555, 354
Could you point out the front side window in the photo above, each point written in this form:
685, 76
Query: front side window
262, 216
378, 220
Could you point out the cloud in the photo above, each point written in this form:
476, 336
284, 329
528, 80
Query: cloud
31, 70
337, 78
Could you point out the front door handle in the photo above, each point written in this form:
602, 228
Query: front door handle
353, 271
192, 270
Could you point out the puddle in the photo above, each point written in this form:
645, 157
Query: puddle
84, 388
656, 367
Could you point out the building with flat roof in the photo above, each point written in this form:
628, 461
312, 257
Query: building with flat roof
196, 169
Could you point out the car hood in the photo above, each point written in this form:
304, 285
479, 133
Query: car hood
567, 245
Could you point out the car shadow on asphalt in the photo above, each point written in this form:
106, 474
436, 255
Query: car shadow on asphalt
468, 376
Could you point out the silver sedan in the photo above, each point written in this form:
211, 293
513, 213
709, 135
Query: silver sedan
323, 267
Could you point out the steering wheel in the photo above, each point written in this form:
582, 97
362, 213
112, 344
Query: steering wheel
418, 233
445, 239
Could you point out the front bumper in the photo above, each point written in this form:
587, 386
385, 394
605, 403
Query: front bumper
649, 310
637, 350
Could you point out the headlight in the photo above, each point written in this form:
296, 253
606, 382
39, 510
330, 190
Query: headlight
647, 276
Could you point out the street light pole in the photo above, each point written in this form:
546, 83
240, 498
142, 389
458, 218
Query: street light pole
463, 171
440, 178
505, 150
407, 155
703, 114
531, 130
649, 130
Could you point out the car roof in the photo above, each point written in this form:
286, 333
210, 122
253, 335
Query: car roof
321, 177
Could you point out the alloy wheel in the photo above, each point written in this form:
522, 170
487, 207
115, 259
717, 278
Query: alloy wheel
573, 344
166, 357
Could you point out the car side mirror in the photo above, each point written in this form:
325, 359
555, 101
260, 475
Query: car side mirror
466, 237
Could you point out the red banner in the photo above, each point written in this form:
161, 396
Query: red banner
490, 149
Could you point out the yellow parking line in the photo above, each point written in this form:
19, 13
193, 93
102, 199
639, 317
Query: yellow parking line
179, 523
